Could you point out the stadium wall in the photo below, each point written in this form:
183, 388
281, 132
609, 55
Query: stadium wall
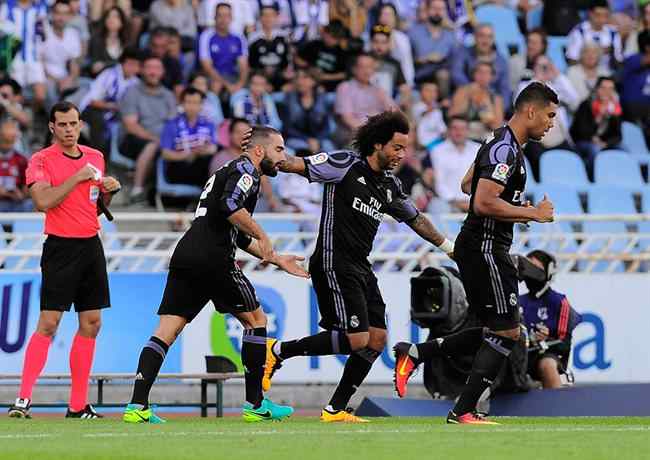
609, 346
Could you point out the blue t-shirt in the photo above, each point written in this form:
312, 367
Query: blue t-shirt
552, 309
636, 81
223, 51
178, 134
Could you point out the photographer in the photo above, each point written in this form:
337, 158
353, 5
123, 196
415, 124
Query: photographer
550, 321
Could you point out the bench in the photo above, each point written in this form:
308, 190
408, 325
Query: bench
208, 378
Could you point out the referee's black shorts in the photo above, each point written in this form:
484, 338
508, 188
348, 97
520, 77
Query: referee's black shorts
74, 272
188, 291
348, 301
491, 285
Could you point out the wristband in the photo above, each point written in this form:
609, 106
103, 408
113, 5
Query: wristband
447, 246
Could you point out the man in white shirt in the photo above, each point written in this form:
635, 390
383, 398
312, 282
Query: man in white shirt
450, 161
596, 30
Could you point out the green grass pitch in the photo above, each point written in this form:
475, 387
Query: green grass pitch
618, 438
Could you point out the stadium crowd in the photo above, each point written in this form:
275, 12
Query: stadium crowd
174, 84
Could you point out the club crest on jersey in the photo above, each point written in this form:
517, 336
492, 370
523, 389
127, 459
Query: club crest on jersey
245, 182
501, 172
513, 299
318, 159
354, 322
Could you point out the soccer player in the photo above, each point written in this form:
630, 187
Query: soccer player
359, 190
65, 181
202, 268
496, 182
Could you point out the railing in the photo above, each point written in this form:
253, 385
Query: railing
396, 249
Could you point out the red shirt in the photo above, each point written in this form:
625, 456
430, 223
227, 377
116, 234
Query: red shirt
76, 215
12, 171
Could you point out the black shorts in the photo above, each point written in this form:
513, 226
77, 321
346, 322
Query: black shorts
560, 353
131, 146
187, 292
74, 272
491, 285
349, 301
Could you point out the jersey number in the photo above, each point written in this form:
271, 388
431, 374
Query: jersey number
200, 212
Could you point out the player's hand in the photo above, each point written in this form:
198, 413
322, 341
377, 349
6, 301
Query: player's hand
86, 173
290, 264
266, 249
245, 140
545, 210
111, 185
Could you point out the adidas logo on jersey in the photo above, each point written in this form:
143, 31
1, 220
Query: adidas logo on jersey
362, 180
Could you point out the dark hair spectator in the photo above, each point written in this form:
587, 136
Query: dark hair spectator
108, 39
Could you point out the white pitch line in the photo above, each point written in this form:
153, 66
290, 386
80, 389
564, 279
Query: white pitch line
25, 436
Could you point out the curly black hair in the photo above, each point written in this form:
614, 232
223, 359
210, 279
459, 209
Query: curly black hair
379, 129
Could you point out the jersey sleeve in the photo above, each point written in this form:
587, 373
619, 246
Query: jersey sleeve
37, 171
168, 135
329, 167
239, 185
401, 207
496, 162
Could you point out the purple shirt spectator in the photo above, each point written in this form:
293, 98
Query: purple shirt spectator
223, 51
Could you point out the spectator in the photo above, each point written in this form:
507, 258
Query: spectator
597, 123
159, 46
188, 142
61, 53
400, 45
224, 55
433, 44
14, 196
596, 30
108, 41
388, 74
450, 161
478, 104
10, 103
559, 17
211, 104
255, 104
461, 14
175, 14
310, 17
484, 50
97, 8
632, 42
326, 56
305, 116
428, 116
237, 129
520, 66
351, 14
79, 22
26, 19
242, 17
186, 59
296, 193
145, 107
269, 50
636, 85
100, 104
587, 71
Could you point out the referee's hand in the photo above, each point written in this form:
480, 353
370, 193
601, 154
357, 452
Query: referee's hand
110, 184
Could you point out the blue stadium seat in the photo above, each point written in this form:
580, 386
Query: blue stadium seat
555, 51
566, 201
615, 167
563, 167
164, 188
531, 184
534, 17
564, 198
634, 142
506, 29
115, 156
644, 227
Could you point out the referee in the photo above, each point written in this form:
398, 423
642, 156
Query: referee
65, 181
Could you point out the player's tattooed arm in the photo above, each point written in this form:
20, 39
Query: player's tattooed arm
423, 227
245, 222
293, 165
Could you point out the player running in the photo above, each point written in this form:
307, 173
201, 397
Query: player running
359, 190
496, 183
202, 268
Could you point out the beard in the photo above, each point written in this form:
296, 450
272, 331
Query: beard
268, 168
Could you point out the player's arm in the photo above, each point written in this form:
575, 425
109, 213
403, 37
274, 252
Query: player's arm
46, 196
245, 223
427, 231
466, 183
294, 165
488, 203
287, 262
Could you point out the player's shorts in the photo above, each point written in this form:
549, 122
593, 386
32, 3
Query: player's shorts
491, 285
74, 272
187, 292
27, 73
349, 301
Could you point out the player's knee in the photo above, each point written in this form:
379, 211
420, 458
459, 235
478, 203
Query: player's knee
358, 340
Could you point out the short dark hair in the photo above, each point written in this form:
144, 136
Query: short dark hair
260, 135
602, 79
483, 64
61, 2
147, 56
598, 4
159, 31
62, 107
542, 33
191, 91
362, 54
536, 92
336, 29
270, 6
130, 53
235, 121
462, 118
15, 86
222, 5
379, 129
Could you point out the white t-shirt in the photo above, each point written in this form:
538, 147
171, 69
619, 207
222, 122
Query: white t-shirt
449, 168
242, 14
301, 193
607, 38
57, 51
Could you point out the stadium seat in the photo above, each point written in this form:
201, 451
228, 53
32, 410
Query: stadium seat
115, 156
563, 167
644, 227
618, 168
634, 142
164, 188
555, 51
534, 17
506, 29
531, 184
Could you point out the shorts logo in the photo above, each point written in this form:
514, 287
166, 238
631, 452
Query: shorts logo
94, 193
501, 172
245, 182
318, 158
513, 299
389, 195
354, 322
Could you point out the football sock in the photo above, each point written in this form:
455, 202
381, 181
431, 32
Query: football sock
321, 344
487, 365
151, 360
253, 356
466, 342
356, 369
81, 362
35, 358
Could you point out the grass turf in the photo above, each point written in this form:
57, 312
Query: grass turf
305, 438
